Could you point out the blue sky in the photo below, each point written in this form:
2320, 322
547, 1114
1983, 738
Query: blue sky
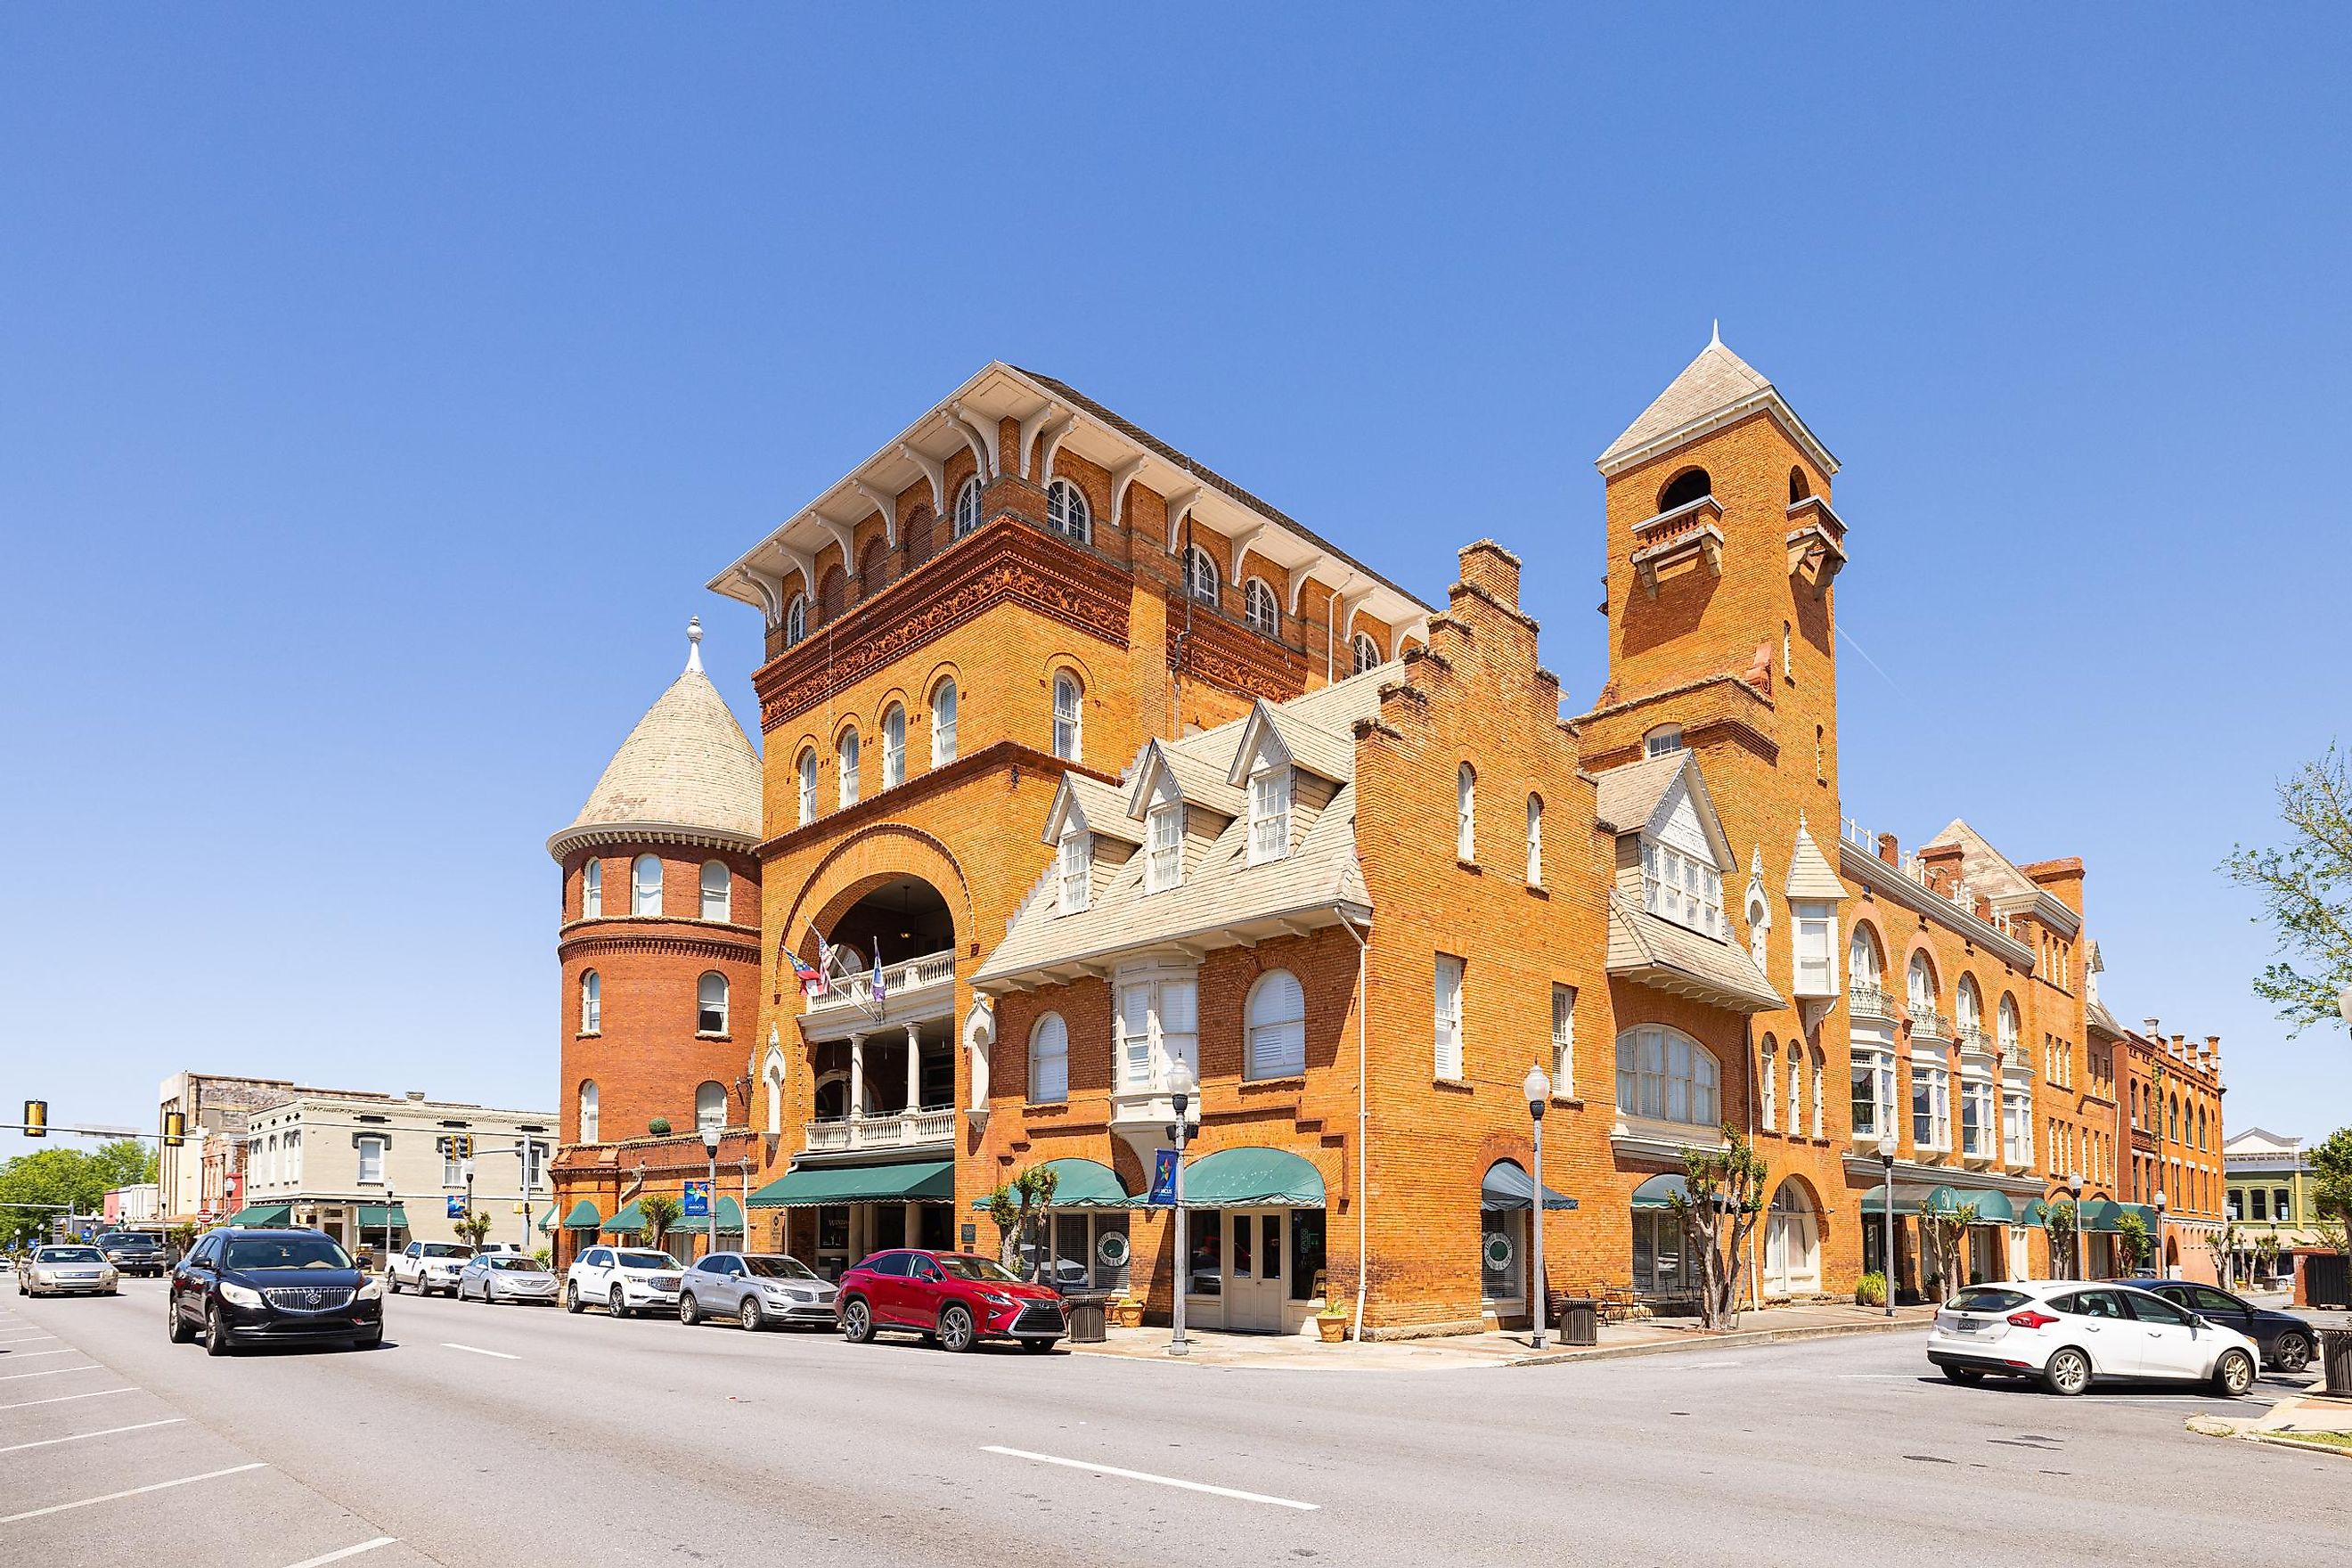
379, 388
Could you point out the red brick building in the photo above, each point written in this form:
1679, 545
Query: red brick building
1081, 761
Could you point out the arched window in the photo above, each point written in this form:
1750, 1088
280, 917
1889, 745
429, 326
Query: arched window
1067, 511
1049, 1060
943, 722
588, 1110
894, 746
710, 1003
1768, 1063
1261, 608
1792, 1244
775, 1082
1922, 983
1365, 652
1864, 966
2173, 1123
1201, 576
592, 1002
1465, 812
2009, 1026
1663, 1075
845, 760
709, 1105
808, 786
1684, 488
967, 507
592, 889
1796, 1085
796, 619
1535, 841
1798, 489
1275, 1027
645, 884
1820, 1114
718, 890
1968, 1007
831, 594
1070, 717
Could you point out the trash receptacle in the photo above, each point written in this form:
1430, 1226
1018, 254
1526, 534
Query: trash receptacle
2335, 1352
1085, 1313
1580, 1321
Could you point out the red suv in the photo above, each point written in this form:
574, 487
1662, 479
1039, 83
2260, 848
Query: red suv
958, 1298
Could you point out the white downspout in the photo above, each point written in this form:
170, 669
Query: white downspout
1363, 1133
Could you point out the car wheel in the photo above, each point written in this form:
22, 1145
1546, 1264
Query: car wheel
392, 1282
572, 1302
857, 1322
690, 1311
617, 1303
175, 1326
2233, 1375
216, 1332
955, 1330
1964, 1373
2292, 1354
2068, 1372
751, 1316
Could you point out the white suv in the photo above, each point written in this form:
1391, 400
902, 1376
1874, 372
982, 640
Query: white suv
425, 1266
621, 1279
2066, 1334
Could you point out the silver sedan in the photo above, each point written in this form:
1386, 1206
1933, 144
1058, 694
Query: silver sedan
754, 1290
490, 1277
53, 1271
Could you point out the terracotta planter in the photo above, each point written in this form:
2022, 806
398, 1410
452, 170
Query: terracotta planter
1333, 1329
1128, 1314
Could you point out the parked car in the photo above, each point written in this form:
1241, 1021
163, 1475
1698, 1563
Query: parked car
425, 1266
755, 1289
74, 1269
2068, 1335
134, 1252
272, 1287
623, 1280
490, 1277
957, 1297
2285, 1340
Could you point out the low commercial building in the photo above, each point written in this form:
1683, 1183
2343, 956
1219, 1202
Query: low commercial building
2267, 1204
138, 1204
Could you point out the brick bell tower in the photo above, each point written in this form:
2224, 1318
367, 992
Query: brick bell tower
660, 950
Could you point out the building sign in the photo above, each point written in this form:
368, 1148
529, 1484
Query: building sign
1163, 1179
696, 1203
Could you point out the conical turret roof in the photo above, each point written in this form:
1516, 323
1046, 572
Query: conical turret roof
687, 771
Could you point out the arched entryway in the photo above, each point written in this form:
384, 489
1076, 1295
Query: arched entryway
1792, 1242
1506, 1239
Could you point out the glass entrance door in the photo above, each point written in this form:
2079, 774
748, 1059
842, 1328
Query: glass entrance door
1255, 1245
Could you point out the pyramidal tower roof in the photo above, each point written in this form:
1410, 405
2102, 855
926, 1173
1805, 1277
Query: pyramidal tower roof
1714, 390
688, 772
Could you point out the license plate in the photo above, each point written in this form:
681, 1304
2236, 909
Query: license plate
1962, 1326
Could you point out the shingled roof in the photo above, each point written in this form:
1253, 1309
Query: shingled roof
687, 770
1714, 389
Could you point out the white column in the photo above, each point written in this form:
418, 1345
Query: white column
914, 1071
857, 1075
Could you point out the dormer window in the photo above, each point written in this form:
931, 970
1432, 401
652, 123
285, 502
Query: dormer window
1682, 888
1269, 801
1165, 867
1663, 740
1077, 868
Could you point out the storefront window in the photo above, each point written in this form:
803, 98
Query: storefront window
1306, 1254
1111, 1252
1205, 1232
1072, 1250
1657, 1253
1500, 1270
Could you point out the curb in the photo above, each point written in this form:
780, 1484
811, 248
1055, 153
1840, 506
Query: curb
2277, 1440
1736, 1340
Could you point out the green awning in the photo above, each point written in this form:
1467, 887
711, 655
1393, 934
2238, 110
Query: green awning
1991, 1207
584, 1216
731, 1219
547, 1219
375, 1217
1251, 1179
1508, 1185
1660, 1192
908, 1182
1079, 1184
629, 1221
1873, 1202
2100, 1214
2036, 1213
266, 1216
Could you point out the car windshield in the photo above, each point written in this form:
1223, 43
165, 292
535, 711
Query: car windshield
1988, 1298
964, 1265
512, 1265
286, 1252
444, 1249
70, 1255
647, 1261
779, 1267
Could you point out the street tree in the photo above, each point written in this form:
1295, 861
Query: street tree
2059, 1220
2331, 1190
2224, 1245
1017, 1209
662, 1214
2306, 888
2132, 1238
473, 1229
1722, 1194
1942, 1234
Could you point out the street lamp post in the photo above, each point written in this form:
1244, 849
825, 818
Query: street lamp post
391, 1205
2156, 1241
468, 1169
710, 1193
1538, 1088
1180, 1085
2074, 1187
1886, 1206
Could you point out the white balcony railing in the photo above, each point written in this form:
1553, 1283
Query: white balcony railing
1927, 1024
1868, 1001
891, 1129
857, 989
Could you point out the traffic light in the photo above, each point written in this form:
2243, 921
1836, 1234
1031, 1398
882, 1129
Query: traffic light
176, 1128
464, 1145
37, 1119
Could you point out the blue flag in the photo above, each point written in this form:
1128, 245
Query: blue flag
1163, 1179
697, 1204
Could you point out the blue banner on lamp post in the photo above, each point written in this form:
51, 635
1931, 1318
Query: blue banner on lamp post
696, 1203
1163, 1179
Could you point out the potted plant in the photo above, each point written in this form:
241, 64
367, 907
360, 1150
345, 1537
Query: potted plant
1127, 1312
1331, 1322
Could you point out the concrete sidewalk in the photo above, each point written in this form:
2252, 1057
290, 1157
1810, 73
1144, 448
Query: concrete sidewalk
1652, 1337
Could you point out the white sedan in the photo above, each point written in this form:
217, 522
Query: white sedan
2068, 1335
58, 1271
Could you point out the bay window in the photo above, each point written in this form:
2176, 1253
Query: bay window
1874, 1094
1682, 888
1931, 1105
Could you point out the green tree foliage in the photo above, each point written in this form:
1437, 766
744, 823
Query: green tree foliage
1724, 1192
2305, 887
1943, 1233
474, 1228
1019, 1207
2132, 1236
66, 1175
2331, 1188
662, 1214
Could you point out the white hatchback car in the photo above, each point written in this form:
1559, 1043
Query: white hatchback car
623, 1280
2068, 1334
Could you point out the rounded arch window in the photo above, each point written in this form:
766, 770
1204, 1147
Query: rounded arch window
1968, 1007
1535, 841
808, 785
2009, 1023
943, 722
1690, 484
894, 746
1260, 608
1798, 489
588, 1110
1049, 1060
1768, 1094
1465, 812
1275, 1027
710, 1104
1365, 652
1663, 1075
1070, 717
645, 884
1202, 579
967, 507
592, 1002
1922, 981
831, 594
774, 1079
592, 889
710, 1003
1864, 965
718, 890
1068, 513
796, 619
847, 756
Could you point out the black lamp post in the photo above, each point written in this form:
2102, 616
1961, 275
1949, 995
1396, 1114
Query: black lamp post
1180, 1085
1886, 1214
710, 1195
1538, 1088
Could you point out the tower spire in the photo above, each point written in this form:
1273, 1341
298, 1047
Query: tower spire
1715, 337
694, 643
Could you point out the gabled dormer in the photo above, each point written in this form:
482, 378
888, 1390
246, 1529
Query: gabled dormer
1091, 835
1814, 891
1181, 803
1288, 771
1667, 924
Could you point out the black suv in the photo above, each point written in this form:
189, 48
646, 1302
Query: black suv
134, 1252
272, 1287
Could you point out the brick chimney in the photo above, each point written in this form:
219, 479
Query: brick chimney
1887, 850
1492, 571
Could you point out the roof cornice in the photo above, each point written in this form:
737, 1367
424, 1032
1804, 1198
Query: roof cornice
1768, 400
592, 833
1885, 881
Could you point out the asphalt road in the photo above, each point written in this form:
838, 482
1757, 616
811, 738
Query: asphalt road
489, 1435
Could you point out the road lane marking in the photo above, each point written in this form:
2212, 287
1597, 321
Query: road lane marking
134, 1491
1145, 1476
80, 1437
49, 1371
346, 1551
22, 1339
35, 1355
60, 1399
477, 1350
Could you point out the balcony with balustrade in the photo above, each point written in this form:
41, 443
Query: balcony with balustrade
929, 1125
1867, 1000
885, 1089
1676, 537
1927, 1024
909, 985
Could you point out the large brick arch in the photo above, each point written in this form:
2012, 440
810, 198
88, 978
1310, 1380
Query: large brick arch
864, 861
